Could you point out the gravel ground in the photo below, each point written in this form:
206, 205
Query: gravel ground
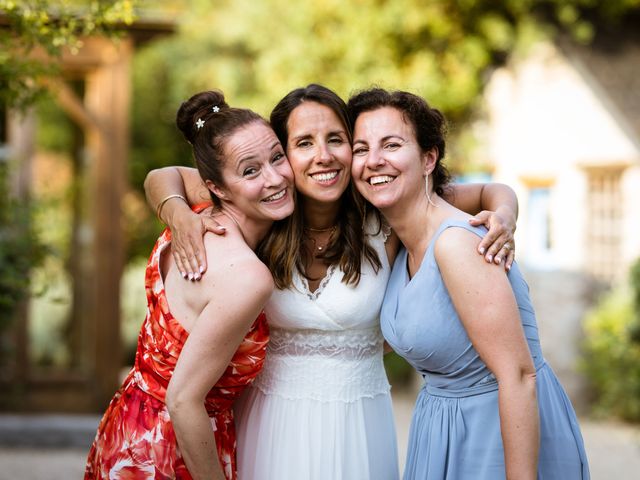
613, 450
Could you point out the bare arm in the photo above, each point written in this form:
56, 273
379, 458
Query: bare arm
494, 205
187, 228
212, 342
493, 325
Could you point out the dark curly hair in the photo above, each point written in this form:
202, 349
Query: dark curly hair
428, 123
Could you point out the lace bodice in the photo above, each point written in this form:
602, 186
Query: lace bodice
327, 345
334, 305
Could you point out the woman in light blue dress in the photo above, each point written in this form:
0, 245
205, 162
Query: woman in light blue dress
491, 407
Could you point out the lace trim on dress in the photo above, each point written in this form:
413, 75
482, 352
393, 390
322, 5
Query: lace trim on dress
315, 294
351, 344
323, 379
386, 229
324, 365
377, 225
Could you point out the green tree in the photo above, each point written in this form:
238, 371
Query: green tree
256, 50
48, 26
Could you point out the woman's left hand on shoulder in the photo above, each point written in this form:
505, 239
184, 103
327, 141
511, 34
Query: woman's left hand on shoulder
498, 245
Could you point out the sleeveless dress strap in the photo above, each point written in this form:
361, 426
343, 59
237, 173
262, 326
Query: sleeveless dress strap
454, 222
198, 207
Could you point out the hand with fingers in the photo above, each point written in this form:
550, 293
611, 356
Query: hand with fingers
498, 244
187, 246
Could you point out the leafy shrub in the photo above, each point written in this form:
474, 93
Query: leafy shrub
20, 251
612, 350
399, 372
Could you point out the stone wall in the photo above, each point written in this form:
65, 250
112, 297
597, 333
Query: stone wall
561, 300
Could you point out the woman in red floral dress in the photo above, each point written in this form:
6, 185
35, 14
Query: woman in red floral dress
201, 342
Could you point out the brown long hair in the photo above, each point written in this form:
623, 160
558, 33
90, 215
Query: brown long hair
283, 250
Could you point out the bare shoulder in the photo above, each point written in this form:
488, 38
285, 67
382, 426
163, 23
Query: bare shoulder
232, 262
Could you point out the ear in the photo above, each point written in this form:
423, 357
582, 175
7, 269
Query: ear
216, 190
429, 158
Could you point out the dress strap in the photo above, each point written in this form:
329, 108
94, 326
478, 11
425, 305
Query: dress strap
454, 222
198, 207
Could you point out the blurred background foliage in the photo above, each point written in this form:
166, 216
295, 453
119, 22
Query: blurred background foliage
256, 51
612, 350
48, 25
20, 249
37, 26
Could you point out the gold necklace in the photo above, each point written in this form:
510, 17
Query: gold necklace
333, 227
320, 247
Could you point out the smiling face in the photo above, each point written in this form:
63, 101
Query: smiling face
388, 164
319, 152
257, 176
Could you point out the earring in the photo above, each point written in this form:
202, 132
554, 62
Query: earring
426, 184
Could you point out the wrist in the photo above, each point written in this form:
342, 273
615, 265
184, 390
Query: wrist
507, 213
177, 214
168, 203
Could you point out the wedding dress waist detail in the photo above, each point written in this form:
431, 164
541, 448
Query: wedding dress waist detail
324, 365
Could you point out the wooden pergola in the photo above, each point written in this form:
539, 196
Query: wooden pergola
100, 109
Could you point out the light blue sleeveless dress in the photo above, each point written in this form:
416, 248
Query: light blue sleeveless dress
455, 430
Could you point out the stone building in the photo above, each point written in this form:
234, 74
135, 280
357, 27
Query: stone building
562, 127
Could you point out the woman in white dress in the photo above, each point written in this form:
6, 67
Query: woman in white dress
321, 408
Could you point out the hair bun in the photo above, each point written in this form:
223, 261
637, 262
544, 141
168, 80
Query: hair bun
198, 107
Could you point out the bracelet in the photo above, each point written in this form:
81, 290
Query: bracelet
165, 200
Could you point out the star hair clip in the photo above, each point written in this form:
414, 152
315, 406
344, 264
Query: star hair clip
199, 123
215, 109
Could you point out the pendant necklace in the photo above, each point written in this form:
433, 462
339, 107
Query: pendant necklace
317, 246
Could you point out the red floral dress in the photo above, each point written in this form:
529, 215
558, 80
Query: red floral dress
135, 438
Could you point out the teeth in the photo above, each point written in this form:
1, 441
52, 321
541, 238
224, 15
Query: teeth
324, 177
380, 180
275, 196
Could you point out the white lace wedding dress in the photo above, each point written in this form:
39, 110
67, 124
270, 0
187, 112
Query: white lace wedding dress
321, 408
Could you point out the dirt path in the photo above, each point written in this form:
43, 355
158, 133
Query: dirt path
613, 450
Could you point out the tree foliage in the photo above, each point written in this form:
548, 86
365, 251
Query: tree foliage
19, 250
257, 50
47, 26
612, 350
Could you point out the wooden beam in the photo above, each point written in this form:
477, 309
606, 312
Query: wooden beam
108, 95
71, 104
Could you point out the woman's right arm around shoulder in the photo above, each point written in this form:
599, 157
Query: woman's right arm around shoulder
170, 191
234, 294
